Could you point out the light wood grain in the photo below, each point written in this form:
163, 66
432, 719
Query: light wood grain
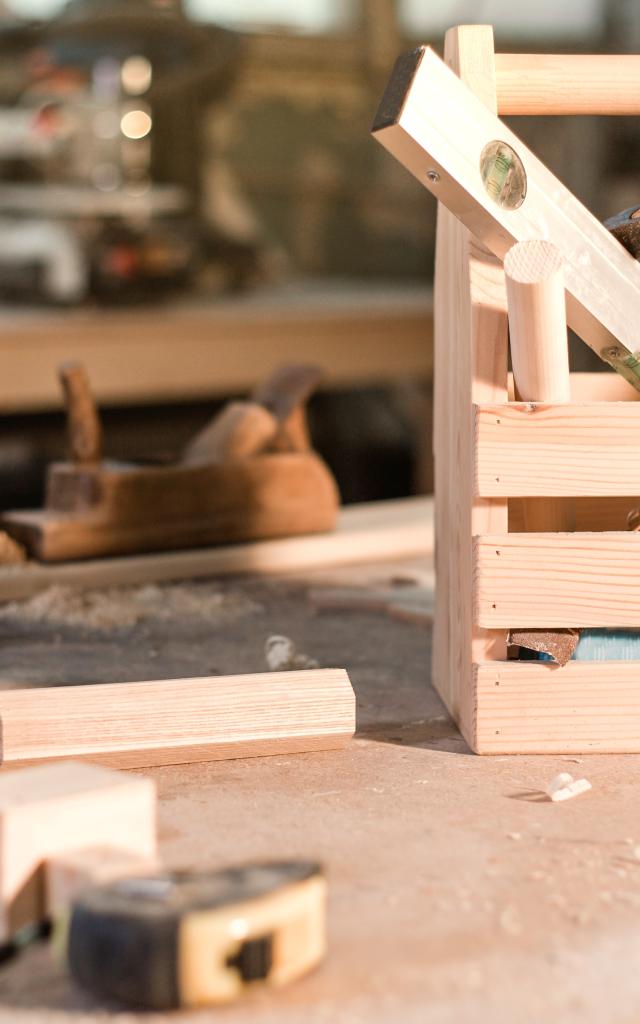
604, 386
539, 350
549, 580
177, 721
471, 360
438, 129
46, 811
537, 321
538, 449
376, 530
537, 708
561, 83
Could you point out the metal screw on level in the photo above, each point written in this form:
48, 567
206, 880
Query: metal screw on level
433, 177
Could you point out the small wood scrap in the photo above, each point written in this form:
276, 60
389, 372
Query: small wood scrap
565, 787
281, 655
249, 475
559, 644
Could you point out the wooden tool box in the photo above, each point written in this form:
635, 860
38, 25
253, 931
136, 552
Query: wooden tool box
491, 452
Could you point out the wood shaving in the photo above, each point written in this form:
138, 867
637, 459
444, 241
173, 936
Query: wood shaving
564, 787
281, 655
117, 607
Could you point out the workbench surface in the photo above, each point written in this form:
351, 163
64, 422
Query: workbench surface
457, 893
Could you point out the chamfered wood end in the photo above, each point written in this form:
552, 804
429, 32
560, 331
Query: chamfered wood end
398, 86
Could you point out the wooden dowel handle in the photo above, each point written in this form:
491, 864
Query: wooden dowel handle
537, 322
83, 419
555, 83
539, 350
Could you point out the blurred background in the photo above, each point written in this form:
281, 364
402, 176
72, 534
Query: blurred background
189, 195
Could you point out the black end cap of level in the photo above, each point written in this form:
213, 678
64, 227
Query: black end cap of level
395, 94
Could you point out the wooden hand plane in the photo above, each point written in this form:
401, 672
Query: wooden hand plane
249, 475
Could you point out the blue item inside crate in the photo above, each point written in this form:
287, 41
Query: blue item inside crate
599, 645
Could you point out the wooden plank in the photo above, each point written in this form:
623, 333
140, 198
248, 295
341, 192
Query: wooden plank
591, 514
537, 708
561, 83
226, 346
374, 530
178, 721
525, 449
547, 580
57, 809
432, 123
471, 357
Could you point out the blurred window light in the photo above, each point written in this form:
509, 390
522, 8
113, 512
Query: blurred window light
545, 19
34, 8
136, 75
313, 16
136, 124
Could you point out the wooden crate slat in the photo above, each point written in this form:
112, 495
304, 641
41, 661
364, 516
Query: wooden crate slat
536, 708
530, 580
525, 449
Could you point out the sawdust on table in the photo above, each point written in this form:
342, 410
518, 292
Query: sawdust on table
115, 607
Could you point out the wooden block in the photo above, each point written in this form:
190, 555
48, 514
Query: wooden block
591, 514
549, 580
433, 124
540, 708
54, 809
68, 873
178, 721
562, 83
527, 448
374, 530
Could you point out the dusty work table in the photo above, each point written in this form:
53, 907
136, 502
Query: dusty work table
457, 894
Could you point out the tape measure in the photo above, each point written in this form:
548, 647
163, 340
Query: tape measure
187, 939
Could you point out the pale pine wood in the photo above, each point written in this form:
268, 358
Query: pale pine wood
537, 321
538, 449
561, 83
69, 872
471, 356
373, 530
434, 125
54, 809
177, 721
537, 708
539, 348
549, 580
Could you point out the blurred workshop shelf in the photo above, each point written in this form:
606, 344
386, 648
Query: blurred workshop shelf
198, 348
